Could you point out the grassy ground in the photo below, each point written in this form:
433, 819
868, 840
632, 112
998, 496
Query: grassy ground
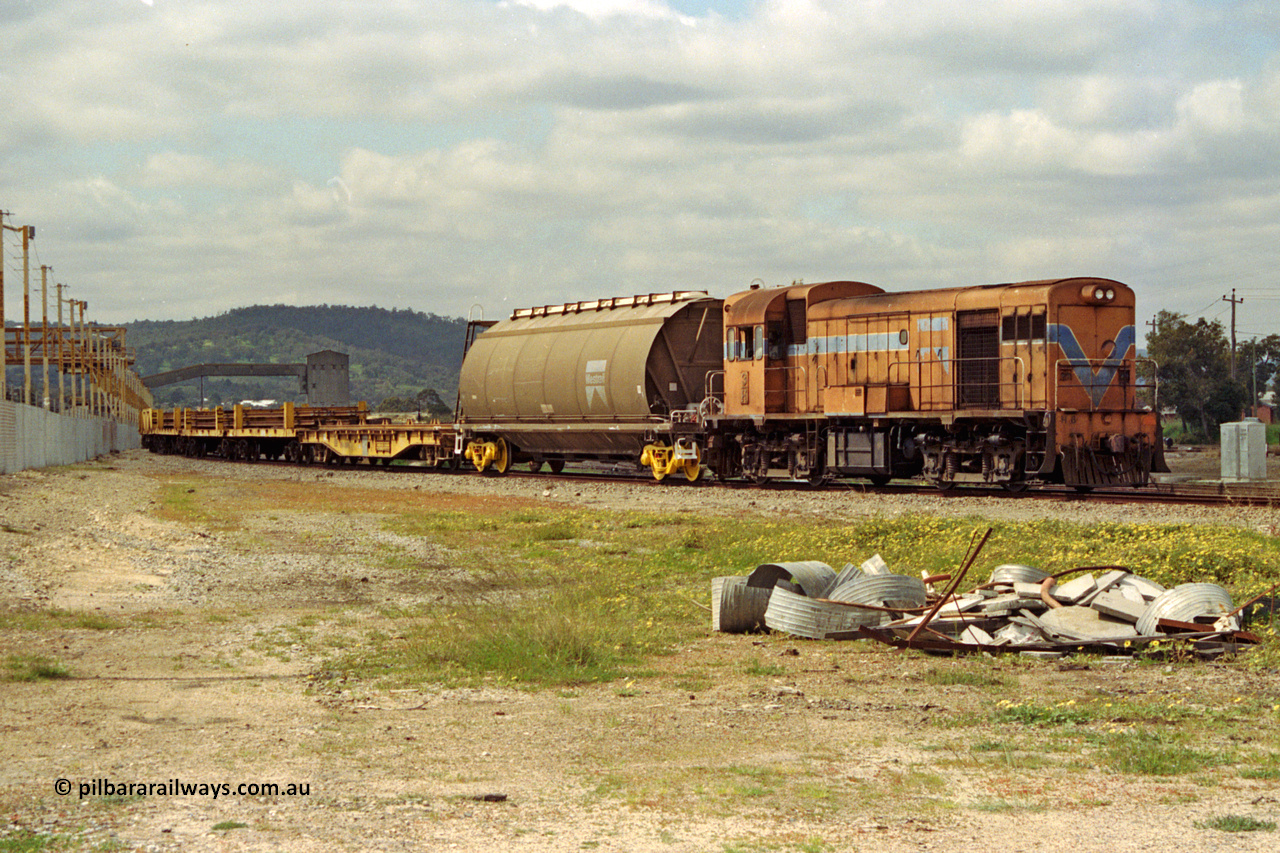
574, 649
557, 596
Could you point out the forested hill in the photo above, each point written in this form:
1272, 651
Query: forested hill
394, 353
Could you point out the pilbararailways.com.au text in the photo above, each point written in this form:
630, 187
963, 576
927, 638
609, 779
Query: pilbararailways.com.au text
179, 788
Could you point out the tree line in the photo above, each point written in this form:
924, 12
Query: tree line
397, 354
1193, 366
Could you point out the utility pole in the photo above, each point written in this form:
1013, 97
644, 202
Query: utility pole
1253, 369
77, 353
26, 314
62, 364
1234, 302
1152, 324
44, 327
28, 232
4, 337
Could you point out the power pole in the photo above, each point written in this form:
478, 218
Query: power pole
62, 364
27, 232
26, 314
1253, 369
44, 327
4, 337
1234, 302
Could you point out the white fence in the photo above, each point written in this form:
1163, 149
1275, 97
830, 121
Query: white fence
35, 438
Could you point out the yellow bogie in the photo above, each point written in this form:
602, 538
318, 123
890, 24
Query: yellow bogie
662, 459
658, 458
482, 454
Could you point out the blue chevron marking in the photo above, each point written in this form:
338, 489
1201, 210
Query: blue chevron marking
1095, 382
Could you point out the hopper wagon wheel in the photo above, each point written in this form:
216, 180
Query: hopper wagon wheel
501, 456
655, 456
557, 466
535, 465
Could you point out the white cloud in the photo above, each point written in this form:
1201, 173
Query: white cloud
423, 153
599, 9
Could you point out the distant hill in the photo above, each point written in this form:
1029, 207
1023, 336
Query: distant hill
394, 353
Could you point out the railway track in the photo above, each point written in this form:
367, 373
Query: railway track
1198, 492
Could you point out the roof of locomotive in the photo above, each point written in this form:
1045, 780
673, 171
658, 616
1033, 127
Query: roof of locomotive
749, 307
1020, 293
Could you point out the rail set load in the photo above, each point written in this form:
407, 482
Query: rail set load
1003, 384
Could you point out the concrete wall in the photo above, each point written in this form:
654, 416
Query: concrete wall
34, 438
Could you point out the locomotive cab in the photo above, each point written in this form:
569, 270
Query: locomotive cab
768, 370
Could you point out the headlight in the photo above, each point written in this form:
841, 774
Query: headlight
1099, 294
1111, 294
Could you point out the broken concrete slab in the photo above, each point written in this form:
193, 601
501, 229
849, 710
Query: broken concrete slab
1106, 581
876, 566
1075, 589
1032, 590
1147, 588
1019, 635
1085, 623
1118, 606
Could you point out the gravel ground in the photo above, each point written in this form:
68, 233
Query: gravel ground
198, 654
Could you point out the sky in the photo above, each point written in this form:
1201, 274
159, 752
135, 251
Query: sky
180, 158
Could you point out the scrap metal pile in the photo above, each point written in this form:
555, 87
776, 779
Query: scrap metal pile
1020, 608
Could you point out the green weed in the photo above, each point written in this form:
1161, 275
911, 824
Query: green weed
1155, 754
31, 668
757, 667
1032, 714
954, 676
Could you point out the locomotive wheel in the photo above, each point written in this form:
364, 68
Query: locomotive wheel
692, 469
880, 479
1015, 486
943, 485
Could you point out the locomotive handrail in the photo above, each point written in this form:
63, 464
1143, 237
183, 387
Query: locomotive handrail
798, 389
709, 388
930, 398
